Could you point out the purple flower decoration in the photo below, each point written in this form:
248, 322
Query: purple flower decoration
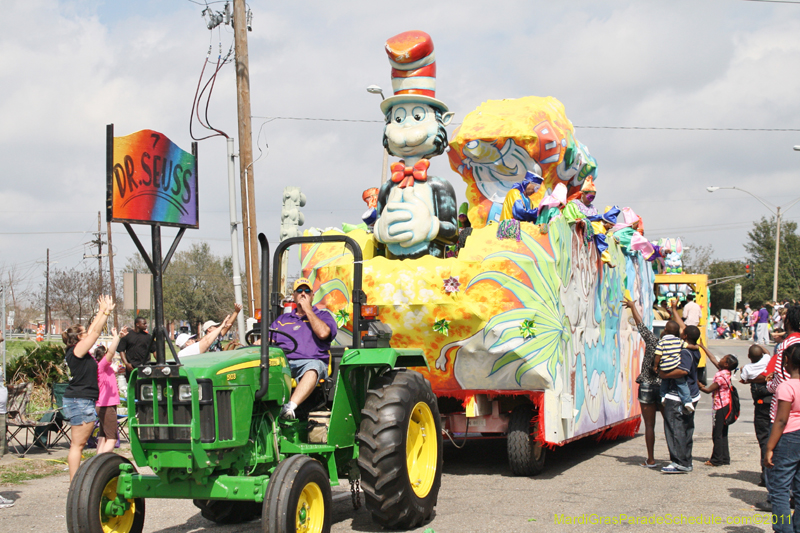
451, 284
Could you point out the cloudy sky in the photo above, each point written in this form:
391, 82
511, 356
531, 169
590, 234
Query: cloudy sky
68, 68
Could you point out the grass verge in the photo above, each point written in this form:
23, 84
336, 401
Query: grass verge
27, 469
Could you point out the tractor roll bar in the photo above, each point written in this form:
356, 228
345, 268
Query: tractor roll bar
265, 321
358, 297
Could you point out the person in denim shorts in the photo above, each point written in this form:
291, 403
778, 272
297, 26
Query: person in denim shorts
82, 392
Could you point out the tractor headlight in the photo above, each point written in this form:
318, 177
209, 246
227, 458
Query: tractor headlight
147, 392
185, 393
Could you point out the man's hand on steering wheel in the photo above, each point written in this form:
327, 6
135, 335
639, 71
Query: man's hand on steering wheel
291, 339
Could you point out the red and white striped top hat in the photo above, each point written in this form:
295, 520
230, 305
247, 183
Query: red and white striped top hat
413, 70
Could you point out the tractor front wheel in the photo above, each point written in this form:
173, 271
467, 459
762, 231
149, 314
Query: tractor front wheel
92, 503
400, 450
298, 497
525, 452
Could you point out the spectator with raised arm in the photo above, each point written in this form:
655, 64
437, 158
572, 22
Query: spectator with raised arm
108, 398
209, 327
189, 345
82, 392
649, 384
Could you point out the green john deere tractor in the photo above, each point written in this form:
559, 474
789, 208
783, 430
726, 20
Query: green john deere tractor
209, 429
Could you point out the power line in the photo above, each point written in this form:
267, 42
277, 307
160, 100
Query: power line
319, 119
704, 228
650, 128
774, 1
656, 128
44, 232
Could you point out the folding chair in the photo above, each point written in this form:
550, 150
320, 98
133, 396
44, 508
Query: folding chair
20, 421
61, 422
122, 419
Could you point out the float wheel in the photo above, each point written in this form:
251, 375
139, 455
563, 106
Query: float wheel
526, 455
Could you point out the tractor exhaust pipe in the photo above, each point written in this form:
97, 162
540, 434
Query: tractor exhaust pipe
265, 317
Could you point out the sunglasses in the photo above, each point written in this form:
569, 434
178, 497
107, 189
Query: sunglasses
301, 290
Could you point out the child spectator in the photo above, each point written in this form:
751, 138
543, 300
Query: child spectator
751, 374
108, 399
118, 366
720, 390
668, 357
783, 449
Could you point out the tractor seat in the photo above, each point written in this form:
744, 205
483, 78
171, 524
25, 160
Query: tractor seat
323, 394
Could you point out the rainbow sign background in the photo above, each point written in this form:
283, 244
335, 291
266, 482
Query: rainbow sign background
150, 180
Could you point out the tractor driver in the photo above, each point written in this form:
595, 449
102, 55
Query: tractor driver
313, 329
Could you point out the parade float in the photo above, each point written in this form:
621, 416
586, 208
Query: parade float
521, 322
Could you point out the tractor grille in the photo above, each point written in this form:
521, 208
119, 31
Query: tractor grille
181, 412
225, 414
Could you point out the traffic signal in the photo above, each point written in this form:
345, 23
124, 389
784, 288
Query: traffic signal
748, 273
291, 217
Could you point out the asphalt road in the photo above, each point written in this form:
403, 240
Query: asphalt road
586, 480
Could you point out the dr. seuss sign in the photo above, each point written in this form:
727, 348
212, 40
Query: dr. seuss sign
150, 180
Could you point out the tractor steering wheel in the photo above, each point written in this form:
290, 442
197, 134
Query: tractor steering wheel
292, 339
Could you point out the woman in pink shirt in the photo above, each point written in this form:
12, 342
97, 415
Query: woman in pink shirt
782, 457
108, 400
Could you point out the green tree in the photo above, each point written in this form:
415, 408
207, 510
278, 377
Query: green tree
197, 285
761, 249
722, 293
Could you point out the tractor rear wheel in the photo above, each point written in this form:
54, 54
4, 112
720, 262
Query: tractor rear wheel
228, 512
91, 495
526, 454
400, 450
298, 497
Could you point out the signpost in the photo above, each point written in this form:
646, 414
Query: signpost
150, 180
737, 297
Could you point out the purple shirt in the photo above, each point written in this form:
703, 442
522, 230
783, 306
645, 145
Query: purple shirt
763, 316
308, 345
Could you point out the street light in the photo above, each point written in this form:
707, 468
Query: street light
374, 89
777, 213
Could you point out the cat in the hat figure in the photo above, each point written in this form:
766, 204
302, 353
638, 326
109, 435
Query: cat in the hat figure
418, 212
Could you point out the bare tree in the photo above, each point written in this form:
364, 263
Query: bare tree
17, 281
72, 293
697, 259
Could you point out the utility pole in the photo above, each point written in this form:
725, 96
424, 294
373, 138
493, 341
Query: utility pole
47, 297
250, 232
111, 273
237, 272
777, 253
99, 257
99, 243
3, 333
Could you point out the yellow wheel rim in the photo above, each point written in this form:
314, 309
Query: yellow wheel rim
310, 509
422, 449
111, 523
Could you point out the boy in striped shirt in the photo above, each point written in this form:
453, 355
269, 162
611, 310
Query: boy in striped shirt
668, 357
